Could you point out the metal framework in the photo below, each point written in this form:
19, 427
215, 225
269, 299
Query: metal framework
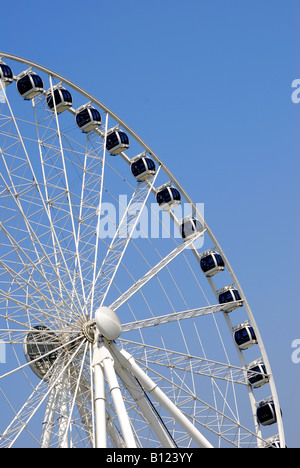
175, 377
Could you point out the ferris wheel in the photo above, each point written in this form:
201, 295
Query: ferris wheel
123, 322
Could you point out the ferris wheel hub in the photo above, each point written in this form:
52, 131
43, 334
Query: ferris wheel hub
88, 329
108, 323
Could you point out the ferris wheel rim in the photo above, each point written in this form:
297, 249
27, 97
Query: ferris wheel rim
189, 200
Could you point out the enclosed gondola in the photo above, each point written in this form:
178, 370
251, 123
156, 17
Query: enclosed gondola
40, 344
30, 85
62, 100
244, 336
230, 294
168, 197
272, 443
190, 227
266, 413
142, 167
6, 75
257, 374
116, 142
211, 263
88, 118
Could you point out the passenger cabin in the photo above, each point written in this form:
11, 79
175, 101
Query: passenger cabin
116, 142
273, 443
168, 197
37, 344
190, 227
266, 414
142, 167
211, 263
62, 100
230, 294
244, 336
88, 118
30, 85
6, 75
257, 374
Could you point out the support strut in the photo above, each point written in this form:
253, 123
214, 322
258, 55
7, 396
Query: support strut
103, 364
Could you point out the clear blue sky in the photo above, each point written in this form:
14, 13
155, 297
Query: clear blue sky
207, 84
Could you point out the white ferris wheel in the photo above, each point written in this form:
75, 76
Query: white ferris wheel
114, 337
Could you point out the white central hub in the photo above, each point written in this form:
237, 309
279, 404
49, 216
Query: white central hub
108, 323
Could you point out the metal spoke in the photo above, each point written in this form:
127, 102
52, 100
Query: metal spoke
186, 363
153, 272
174, 317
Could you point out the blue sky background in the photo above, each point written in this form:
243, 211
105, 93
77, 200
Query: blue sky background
207, 84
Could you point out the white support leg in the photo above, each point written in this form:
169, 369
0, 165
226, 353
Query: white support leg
99, 402
151, 387
146, 407
103, 359
118, 402
99, 399
83, 397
